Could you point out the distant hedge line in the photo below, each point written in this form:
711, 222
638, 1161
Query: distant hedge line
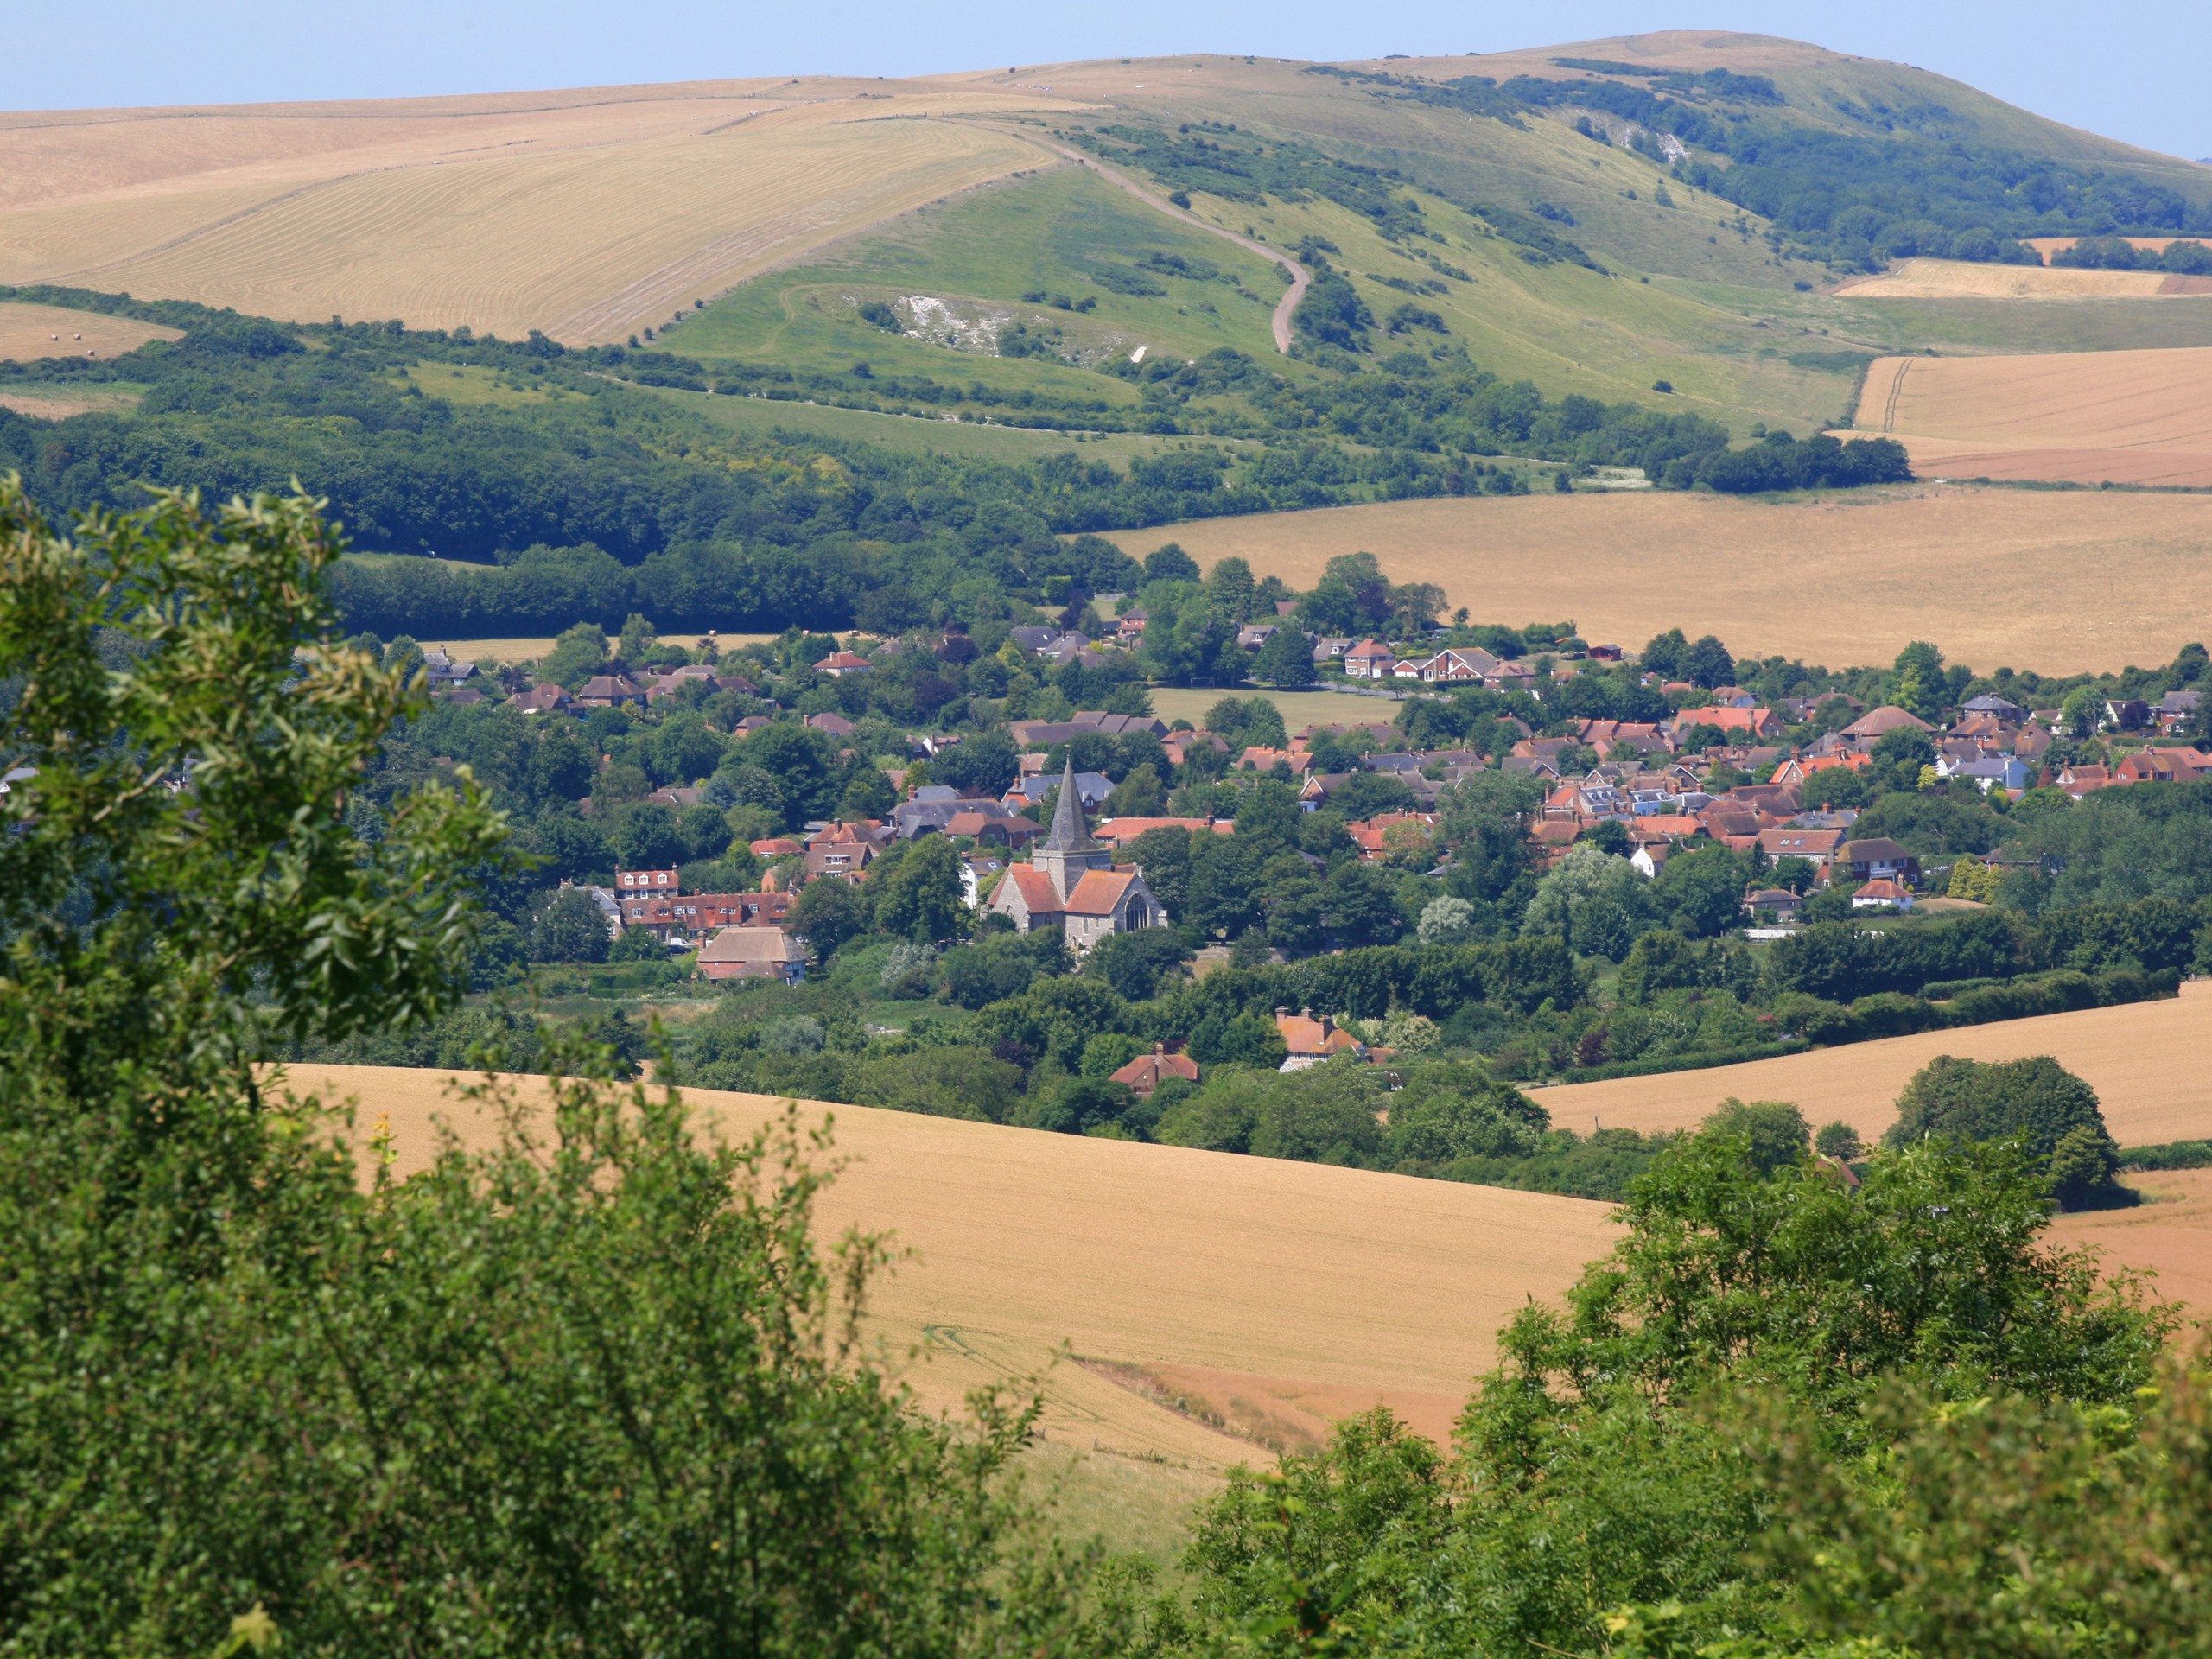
1890, 1013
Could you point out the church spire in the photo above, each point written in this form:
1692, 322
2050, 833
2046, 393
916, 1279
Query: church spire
1069, 833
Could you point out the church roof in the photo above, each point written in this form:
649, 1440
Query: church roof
1069, 833
1037, 894
1099, 892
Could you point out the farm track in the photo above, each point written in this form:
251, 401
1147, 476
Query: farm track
1300, 278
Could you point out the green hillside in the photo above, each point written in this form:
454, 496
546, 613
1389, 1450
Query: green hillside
1029, 251
1656, 221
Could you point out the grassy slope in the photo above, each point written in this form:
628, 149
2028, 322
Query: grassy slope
1570, 329
1472, 158
1567, 328
910, 435
1049, 232
1818, 82
1720, 318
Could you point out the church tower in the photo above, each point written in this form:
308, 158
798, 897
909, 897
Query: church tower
1069, 851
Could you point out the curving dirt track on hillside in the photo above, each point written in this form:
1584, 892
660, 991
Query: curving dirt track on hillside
1300, 278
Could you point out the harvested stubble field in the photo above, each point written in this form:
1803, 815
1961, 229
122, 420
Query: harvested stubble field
588, 214
30, 333
2171, 1233
2146, 1060
1298, 708
1267, 1296
529, 649
2021, 578
2082, 417
2048, 245
1953, 279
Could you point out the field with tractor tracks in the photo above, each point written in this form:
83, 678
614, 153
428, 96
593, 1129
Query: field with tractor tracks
2085, 417
588, 214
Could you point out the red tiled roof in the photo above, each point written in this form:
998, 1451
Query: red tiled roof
1119, 832
1303, 1034
1098, 892
1148, 1071
1038, 893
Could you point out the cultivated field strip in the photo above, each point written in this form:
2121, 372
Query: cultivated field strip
1953, 279
2145, 1061
1322, 1290
2169, 1234
28, 333
506, 245
52, 244
1995, 576
2131, 418
504, 211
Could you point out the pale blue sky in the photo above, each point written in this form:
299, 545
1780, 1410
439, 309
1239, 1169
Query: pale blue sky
2134, 69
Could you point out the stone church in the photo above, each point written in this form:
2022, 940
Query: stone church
1070, 882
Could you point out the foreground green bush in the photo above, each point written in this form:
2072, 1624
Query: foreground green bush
591, 1388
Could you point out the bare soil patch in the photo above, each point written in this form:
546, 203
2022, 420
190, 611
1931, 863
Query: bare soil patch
2023, 578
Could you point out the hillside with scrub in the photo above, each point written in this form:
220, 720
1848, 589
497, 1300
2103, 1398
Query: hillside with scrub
1681, 222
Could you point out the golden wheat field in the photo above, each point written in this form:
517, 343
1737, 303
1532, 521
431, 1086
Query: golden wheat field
2047, 245
2145, 1061
527, 649
2027, 579
1953, 279
29, 332
1270, 1296
588, 214
2084, 417
2170, 1233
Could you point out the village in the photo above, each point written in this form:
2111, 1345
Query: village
1781, 781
